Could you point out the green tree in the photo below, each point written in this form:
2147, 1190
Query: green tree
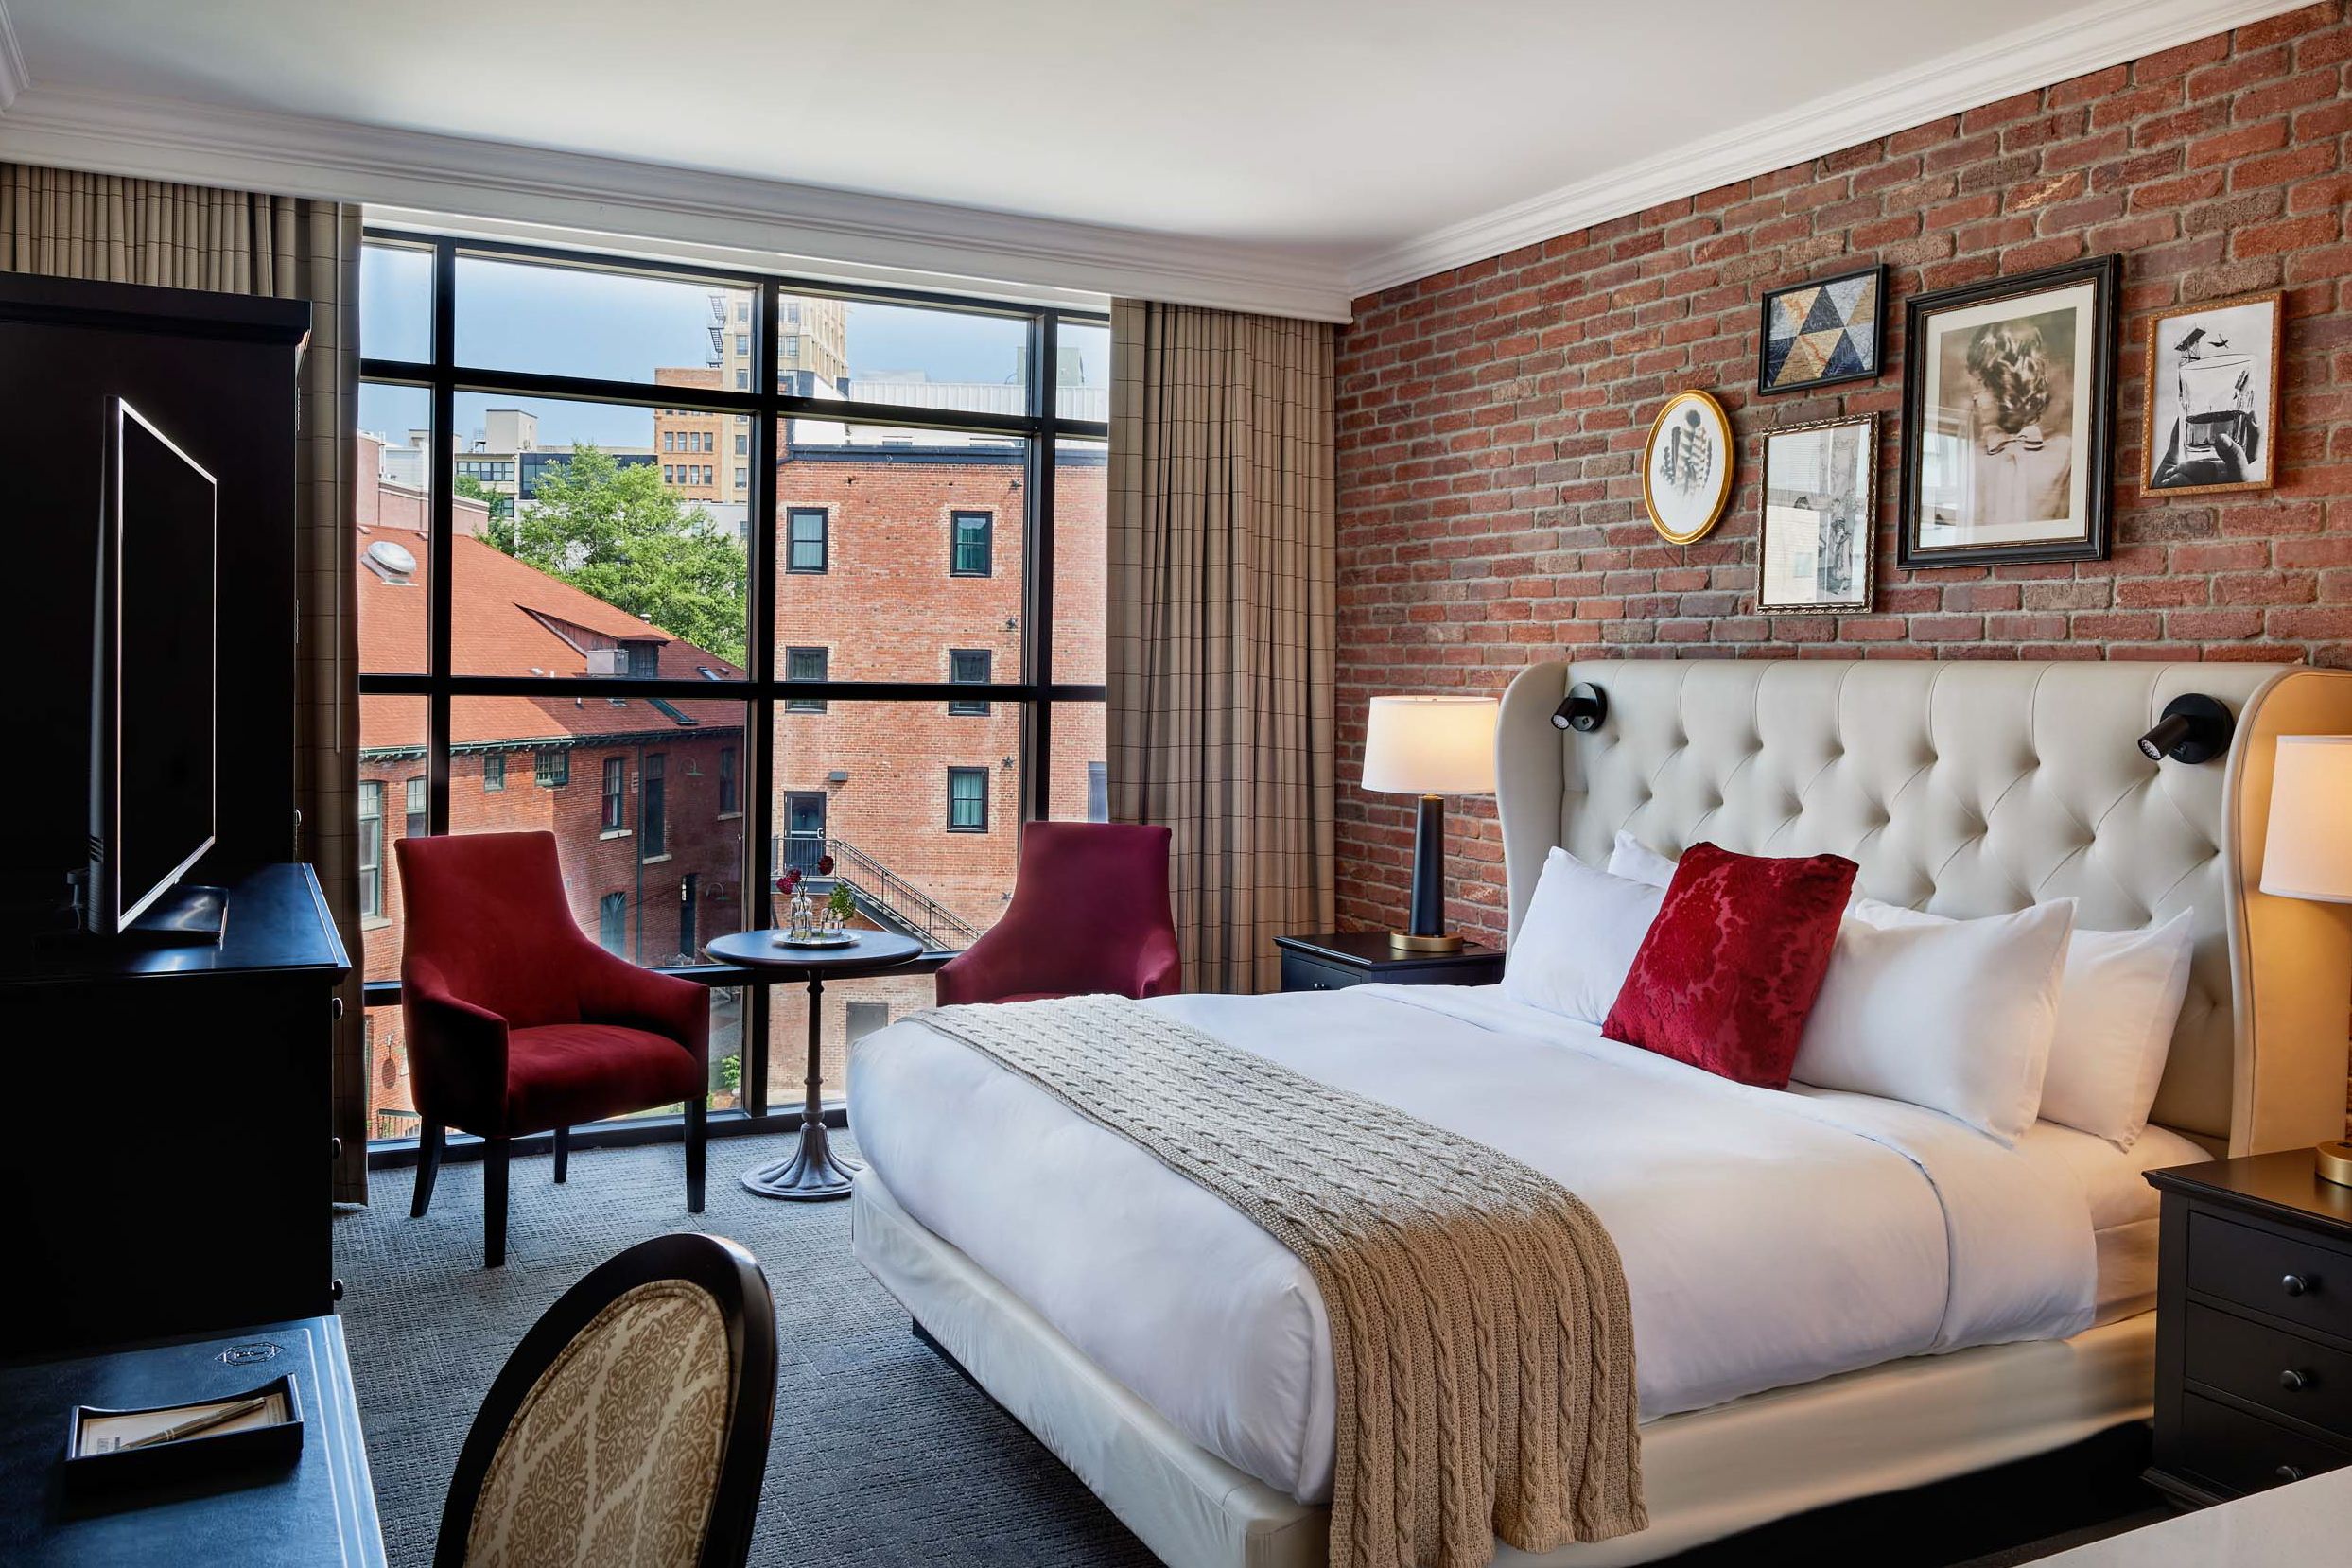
613, 531
472, 489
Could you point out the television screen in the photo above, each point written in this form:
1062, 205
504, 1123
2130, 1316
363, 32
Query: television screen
162, 668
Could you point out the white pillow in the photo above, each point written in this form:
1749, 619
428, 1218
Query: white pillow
2117, 1005
1953, 1014
1637, 861
1578, 939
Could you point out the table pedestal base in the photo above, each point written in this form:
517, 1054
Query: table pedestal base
812, 1174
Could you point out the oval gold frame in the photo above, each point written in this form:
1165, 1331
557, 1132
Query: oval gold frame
1730, 462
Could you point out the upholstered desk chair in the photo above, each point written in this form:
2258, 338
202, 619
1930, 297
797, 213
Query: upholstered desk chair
518, 1024
631, 1425
1089, 913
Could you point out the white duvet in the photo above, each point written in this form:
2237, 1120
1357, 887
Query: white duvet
1768, 1238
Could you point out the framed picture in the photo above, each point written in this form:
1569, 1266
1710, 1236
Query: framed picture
1821, 510
1816, 334
1686, 466
2008, 397
2212, 420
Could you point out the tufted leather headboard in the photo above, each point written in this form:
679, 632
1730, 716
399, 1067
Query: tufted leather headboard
1971, 788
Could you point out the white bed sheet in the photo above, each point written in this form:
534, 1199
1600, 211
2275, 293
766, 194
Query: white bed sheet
1768, 1238
2122, 1205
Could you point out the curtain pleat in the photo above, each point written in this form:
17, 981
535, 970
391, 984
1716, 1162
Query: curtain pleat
1221, 622
65, 224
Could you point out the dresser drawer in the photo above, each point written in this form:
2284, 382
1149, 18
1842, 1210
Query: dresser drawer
2291, 1279
2273, 1368
2243, 1453
1305, 974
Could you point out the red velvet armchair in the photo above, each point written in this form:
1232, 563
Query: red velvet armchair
518, 1024
1089, 913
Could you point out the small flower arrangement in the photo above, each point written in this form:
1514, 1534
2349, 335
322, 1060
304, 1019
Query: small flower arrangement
839, 906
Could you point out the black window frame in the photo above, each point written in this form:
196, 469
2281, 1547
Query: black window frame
730, 796
795, 654
653, 806
966, 707
761, 404
956, 519
956, 772
793, 516
613, 797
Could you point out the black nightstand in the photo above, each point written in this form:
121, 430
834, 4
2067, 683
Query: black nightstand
2254, 1326
1364, 958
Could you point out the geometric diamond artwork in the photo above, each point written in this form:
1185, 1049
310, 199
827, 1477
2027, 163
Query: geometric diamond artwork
1817, 333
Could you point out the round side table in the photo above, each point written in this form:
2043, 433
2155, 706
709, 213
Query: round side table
814, 1173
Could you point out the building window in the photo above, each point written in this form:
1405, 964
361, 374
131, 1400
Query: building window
807, 527
726, 781
612, 922
1098, 792
493, 772
743, 476
805, 664
743, 380
742, 445
866, 1017
969, 667
653, 818
973, 551
616, 788
967, 800
372, 849
669, 440
552, 768
414, 824
804, 832
644, 660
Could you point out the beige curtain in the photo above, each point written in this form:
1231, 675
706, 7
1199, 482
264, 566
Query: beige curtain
1221, 622
72, 225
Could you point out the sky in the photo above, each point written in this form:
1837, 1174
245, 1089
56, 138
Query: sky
573, 322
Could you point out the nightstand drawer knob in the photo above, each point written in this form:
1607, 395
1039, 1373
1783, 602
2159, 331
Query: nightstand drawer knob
2294, 1382
2298, 1285
2289, 1472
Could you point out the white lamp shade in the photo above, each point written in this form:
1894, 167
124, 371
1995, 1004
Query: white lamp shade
1430, 745
2307, 851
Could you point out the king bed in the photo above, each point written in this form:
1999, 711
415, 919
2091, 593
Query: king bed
1831, 1293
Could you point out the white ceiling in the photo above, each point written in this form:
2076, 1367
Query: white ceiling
1340, 137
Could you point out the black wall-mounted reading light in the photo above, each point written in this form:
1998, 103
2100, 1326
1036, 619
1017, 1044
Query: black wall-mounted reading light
2195, 728
1583, 709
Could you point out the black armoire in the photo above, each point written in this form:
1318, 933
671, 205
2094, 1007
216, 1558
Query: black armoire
167, 1153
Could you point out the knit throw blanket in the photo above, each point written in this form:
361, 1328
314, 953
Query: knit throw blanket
1481, 1338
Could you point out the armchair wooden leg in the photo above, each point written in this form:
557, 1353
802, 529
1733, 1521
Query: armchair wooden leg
493, 1201
697, 1130
563, 1154
429, 1142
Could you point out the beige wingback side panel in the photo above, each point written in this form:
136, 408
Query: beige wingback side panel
1971, 788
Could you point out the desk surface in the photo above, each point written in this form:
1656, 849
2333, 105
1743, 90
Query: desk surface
322, 1511
2305, 1523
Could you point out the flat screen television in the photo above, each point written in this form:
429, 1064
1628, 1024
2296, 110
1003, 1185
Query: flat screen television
154, 729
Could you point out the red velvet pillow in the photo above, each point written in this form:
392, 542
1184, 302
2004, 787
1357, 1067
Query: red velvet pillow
1728, 973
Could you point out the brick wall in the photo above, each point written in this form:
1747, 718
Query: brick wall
1491, 418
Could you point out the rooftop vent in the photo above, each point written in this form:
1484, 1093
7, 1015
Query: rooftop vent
391, 562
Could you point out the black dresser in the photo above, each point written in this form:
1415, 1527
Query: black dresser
170, 1155
2254, 1326
1329, 963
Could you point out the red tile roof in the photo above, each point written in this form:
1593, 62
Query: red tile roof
494, 631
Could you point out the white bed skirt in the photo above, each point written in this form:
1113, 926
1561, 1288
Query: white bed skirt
1707, 1474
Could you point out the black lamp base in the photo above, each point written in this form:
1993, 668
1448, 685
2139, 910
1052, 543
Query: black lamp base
1425, 928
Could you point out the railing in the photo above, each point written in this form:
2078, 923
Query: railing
875, 883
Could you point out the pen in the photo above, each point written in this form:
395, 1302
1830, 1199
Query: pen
202, 1424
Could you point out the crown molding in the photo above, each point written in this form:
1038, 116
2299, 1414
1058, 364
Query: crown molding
12, 77
2088, 38
842, 234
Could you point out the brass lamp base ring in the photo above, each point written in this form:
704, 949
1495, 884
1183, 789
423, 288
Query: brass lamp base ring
2335, 1163
1406, 942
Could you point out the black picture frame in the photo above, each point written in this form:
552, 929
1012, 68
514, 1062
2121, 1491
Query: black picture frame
1876, 272
2094, 413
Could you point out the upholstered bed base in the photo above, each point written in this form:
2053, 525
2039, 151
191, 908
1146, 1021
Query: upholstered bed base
1707, 1474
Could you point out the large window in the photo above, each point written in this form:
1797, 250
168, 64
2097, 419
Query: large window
607, 496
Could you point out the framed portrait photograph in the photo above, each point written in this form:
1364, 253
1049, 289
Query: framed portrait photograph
2008, 418
2212, 421
1686, 466
1820, 507
1818, 334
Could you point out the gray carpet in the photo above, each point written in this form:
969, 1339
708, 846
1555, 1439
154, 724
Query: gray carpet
881, 1454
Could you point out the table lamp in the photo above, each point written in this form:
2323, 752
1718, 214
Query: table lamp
1432, 747
2308, 853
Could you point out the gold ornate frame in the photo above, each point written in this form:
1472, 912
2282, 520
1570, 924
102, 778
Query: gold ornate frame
1730, 466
